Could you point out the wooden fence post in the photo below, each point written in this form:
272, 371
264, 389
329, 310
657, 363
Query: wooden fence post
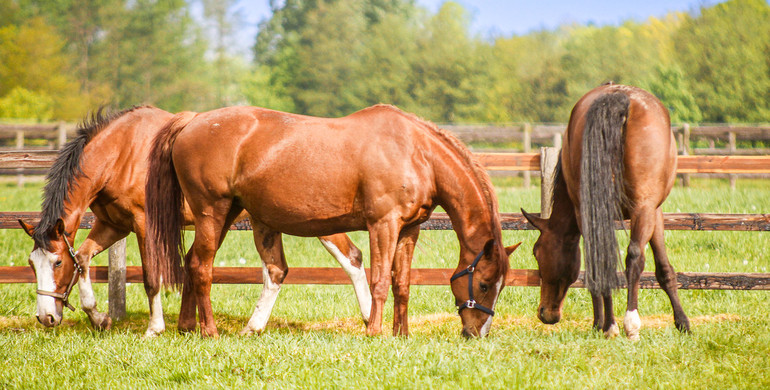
685, 151
526, 140
20, 146
62, 132
732, 148
116, 276
548, 159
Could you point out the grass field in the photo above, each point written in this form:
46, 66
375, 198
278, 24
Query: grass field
316, 339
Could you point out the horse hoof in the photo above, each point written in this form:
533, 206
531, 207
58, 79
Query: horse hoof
612, 332
249, 331
102, 322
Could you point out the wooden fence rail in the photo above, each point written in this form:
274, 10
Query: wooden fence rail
491, 161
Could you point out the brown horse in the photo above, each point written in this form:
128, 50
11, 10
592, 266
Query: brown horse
379, 169
105, 168
618, 161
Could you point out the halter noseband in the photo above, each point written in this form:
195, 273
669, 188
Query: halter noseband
78, 270
471, 303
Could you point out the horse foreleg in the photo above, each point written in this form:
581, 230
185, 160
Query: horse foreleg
269, 244
666, 275
400, 278
383, 238
349, 256
101, 237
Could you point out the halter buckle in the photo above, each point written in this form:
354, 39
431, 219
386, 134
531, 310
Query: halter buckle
470, 304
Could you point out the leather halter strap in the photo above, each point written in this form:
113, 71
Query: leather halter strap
78, 270
471, 303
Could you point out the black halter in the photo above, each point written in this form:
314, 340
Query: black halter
471, 303
78, 270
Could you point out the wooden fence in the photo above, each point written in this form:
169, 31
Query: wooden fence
117, 274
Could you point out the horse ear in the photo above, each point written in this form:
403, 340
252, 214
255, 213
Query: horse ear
59, 228
510, 249
488, 247
29, 229
537, 222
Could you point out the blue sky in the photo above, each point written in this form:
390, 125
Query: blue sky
508, 17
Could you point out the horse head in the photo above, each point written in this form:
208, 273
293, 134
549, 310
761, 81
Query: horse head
53, 262
476, 285
558, 260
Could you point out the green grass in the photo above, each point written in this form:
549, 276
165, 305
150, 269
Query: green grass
315, 338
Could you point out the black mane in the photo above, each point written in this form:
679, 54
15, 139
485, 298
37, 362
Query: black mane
61, 177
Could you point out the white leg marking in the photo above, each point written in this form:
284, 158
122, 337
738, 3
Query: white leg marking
612, 332
43, 262
87, 298
632, 323
357, 277
156, 325
265, 304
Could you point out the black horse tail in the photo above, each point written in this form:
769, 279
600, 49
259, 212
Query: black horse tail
602, 189
164, 204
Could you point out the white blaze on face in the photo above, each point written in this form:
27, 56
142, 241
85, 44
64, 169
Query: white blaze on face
43, 261
487, 325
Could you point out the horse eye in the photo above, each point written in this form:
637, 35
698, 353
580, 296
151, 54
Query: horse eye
484, 287
57, 264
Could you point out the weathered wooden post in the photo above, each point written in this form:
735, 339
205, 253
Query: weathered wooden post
526, 140
62, 133
686, 151
548, 159
116, 277
20, 146
732, 148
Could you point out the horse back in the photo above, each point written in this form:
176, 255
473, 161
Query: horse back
649, 151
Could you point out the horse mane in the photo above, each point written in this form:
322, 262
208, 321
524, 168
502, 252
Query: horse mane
60, 179
465, 154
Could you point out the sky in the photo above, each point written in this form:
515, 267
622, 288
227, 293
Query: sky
508, 17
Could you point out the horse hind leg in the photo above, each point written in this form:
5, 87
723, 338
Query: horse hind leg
269, 244
211, 225
642, 226
666, 275
152, 287
349, 256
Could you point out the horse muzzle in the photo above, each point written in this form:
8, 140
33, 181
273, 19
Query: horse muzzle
49, 320
548, 316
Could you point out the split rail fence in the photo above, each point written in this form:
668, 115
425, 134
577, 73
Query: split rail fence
117, 274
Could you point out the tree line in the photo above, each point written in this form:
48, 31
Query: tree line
60, 59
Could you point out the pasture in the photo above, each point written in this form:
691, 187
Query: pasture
315, 337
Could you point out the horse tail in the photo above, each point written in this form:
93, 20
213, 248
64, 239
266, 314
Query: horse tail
164, 205
602, 189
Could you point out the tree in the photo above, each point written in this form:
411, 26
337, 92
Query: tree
35, 66
725, 52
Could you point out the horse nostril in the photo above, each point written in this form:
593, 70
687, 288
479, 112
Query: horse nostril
542, 312
38, 319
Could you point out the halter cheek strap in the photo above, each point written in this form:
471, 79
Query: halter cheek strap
471, 303
78, 270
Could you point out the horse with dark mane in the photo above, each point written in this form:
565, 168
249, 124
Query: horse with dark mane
105, 167
618, 161
380, 170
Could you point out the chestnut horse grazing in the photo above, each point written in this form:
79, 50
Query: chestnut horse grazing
379, 169
618, 161
105, 168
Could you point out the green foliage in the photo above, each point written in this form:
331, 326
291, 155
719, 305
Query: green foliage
333, 57
22, 103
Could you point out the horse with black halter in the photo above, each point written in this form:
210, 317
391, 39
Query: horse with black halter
618, 161
105, 167
380, 170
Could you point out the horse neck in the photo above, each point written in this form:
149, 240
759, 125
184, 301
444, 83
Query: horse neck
461, 194
84, 188
562, 220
